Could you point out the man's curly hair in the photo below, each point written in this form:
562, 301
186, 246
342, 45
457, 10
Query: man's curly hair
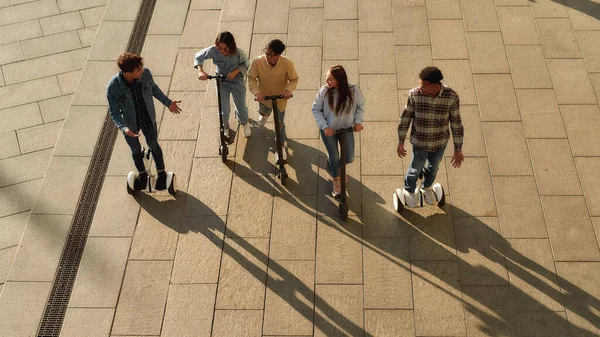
431, 74
128, 62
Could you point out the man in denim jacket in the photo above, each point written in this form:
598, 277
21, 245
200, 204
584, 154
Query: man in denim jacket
131, 108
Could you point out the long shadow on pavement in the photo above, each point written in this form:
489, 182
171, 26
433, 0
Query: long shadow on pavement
493, 304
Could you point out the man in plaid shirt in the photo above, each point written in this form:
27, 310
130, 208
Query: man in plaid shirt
433, 109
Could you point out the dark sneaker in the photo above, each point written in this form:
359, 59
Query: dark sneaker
140, 181
230, 136
161, 181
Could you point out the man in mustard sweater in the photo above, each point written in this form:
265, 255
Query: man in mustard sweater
272, 74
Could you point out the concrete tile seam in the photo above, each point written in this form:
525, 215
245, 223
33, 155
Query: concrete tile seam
46, 55
44, 17
57, 74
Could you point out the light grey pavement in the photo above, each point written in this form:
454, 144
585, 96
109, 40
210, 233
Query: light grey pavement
515, 252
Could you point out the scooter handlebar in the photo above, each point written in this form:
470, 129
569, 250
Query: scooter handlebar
342, 131
274, 97
211, 77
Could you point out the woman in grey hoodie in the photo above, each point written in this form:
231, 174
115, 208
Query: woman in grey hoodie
338, 105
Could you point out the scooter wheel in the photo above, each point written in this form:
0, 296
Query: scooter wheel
442, 201
131, 183
398, 205
130, 190
173, 188
343, 209
283, 178
223, 151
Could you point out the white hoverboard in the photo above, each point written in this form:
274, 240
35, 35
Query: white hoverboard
151, 183
400, 201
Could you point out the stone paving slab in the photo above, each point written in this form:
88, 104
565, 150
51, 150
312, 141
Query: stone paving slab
579, 244
583, 138
20, 31
393, 323
28, 11
189, 310
375, 16
243, 274
289, 298
10, 145
338, 310
448, 40
21, 307
15, 169
554, 174
237, 323
39, 137
142, 299
487, 52
489, 301
519, 209
480, 248
587, 168
19, 197
436, 299
540, 113
558, 38
104, 258
60, 23
583, 276
87, 321
197, 234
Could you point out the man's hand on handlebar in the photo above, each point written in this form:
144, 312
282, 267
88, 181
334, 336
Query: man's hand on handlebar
259, 97
202, 75
358, 127
287, 94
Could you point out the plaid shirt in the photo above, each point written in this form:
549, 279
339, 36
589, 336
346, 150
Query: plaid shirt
430, 117
142, 118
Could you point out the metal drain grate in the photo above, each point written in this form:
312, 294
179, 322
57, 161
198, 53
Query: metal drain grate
56, 307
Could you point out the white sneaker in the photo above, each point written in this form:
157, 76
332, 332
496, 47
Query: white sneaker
262, 120
429, 195
337, 187
247, 131
410, 199
283, 153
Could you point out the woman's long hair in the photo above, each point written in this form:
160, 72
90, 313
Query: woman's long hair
345, 99
226, 38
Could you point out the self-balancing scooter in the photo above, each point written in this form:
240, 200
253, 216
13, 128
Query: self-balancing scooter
151, 184
224, 141
399, 197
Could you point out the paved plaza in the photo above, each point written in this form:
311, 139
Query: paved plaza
514, 252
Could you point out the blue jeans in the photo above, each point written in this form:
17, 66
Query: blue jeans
266, 111
237, 89
331, 144
418, 165
151, 136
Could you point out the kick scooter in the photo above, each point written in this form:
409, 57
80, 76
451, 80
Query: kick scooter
343, 207
281, 173
224, 141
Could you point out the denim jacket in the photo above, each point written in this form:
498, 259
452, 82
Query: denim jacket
120, 100
224, 64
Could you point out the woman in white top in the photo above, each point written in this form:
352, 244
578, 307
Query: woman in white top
338, 105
